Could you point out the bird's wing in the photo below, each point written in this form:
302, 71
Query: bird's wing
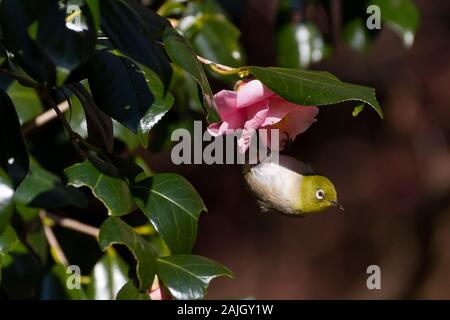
295, 165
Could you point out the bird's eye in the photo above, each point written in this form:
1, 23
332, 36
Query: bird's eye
320, 194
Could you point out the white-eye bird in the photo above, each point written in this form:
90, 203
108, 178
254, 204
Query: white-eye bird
289, 188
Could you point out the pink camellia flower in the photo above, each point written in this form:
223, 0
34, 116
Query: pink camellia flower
254, 106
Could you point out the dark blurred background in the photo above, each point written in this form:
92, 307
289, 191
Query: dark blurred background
392, 175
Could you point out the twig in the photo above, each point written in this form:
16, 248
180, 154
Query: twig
223, 70
72, 224
45, 117
53, 241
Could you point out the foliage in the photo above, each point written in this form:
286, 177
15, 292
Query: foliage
117, 74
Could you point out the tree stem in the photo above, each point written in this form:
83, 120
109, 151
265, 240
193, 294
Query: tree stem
72, 224
56, 250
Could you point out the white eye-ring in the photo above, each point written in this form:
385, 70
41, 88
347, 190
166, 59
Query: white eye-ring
320, 194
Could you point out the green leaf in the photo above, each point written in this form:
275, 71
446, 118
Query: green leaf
108, 187
119, 88
130, 292
22, 272
8, 241
13, 152
215, 38
127, 32
152, 24
125, 135
108, 277
115, 231
161, 105
99, 125
171, 7
182, 54
55, 282
35, 236
172, 206
188, 276
71, 42
16, 39
402, 16
6, 195
25, 100
42, 189
76, 117
94, 8
314, 88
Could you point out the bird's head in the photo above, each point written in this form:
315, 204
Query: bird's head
317, 193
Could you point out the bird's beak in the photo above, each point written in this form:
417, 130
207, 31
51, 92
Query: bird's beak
337, 205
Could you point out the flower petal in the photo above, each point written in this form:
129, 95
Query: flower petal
231, 121
252, 92
278, 109
291, 119
299, 120
245, 139
256, 115
225, 102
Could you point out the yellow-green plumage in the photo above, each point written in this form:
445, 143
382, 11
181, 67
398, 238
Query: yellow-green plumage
288, 188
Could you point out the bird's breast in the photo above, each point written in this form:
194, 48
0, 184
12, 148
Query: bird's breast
276, 186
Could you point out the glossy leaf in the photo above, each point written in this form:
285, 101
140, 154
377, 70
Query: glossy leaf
99, 125
125, 29
125, 135
22, 272
216, 39
6, 196
13, 152
115, 231
108, 277
402, 16
119, 88
171, 7
173, 207
161, 105
188, 276
72, 41
16, 39
8, 241
182, 54
34, 237
152, 24
314, 88
42, 189
26, 100
107, 186
76, 117
130, 292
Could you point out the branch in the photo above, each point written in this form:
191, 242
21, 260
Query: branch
57, 252
45, 117
73, 225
